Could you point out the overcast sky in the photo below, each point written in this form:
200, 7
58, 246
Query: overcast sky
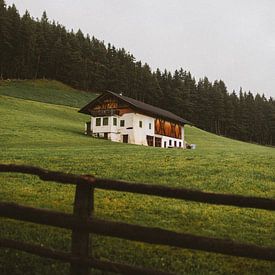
232, 40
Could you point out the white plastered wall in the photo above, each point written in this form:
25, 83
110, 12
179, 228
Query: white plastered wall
136, 134
111, 129
140, 133
127, 129
167, 140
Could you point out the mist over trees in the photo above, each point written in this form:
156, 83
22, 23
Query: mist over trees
37, 48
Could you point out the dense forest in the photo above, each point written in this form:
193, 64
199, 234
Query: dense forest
37, 48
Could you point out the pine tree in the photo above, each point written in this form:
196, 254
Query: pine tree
42, 49
5, 45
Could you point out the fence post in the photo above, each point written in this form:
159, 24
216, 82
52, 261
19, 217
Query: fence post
83, 207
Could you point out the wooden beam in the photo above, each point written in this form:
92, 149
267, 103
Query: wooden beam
147, 189
136, 232
186, 194
67, 257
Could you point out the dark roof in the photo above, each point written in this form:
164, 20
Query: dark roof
141, 106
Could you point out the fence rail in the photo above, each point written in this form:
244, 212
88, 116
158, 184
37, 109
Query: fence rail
82, 222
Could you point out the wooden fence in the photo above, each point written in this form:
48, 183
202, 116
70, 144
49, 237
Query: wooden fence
82, 222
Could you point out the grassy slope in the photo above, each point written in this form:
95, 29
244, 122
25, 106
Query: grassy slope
49, 91
52, 137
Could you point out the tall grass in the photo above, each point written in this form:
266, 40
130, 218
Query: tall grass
51, 137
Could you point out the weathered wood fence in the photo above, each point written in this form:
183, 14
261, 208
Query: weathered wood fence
82, 222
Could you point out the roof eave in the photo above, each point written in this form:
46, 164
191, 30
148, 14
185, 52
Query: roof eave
84, 110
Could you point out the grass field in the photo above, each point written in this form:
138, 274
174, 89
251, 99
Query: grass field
51, 136
49, 91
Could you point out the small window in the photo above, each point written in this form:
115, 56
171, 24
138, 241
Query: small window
98, 121
105, 121
165, 144
150, 126
114, 121
140, 124
175, 143
170, 142
157, 142
122, 123
179, 144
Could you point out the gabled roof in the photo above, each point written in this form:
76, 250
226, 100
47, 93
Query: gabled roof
142, 107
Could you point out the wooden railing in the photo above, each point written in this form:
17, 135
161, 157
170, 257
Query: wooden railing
82, 222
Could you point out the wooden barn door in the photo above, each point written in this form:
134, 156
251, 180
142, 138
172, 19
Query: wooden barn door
150, 140
125, 138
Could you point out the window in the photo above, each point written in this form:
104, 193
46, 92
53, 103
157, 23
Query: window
165, 144
105, 121
170, 142
114, 121
150, 126
179, 144
122, 123
140, 124
157, 142
98, 121
175, 143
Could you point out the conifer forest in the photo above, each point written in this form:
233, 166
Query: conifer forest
32, 48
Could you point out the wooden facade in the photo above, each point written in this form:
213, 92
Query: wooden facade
111, 106
166, 128
108, 103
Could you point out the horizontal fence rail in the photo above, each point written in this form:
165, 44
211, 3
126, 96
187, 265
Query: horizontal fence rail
67, 257
146, 189
82, 223
135, 232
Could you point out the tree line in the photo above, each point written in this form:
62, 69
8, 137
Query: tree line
38, 48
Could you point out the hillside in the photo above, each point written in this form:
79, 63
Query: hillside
48, 91
50, 51
51, 136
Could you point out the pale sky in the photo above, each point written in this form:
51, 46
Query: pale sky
232, 40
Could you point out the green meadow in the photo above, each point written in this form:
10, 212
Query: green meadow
34, 131
48, 91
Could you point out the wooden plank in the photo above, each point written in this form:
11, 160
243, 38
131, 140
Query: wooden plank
147, 189
47, 175
83, 206
137, 232
154, 235
186, 194
67, 257
37, 250
40, 216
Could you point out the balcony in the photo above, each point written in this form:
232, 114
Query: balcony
108, 112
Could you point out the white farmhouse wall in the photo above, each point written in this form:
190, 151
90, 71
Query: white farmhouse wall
114, 137
140, 133
169, 142
128, 127
136, 134
111, 129
102, 128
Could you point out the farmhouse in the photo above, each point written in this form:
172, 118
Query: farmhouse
123, 119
